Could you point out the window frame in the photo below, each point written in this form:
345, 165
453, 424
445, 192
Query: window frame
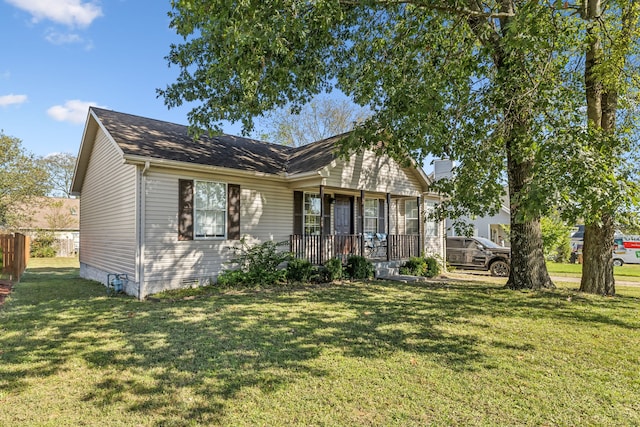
408, 218
196, 209
316, 226
431, 226
376, 217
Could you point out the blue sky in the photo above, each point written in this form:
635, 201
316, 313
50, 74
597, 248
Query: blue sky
60, 56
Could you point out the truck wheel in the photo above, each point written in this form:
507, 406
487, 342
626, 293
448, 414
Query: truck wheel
618, 262
499, 268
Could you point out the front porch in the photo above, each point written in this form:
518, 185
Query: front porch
318, 249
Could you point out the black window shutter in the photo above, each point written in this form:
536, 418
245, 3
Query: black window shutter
358, 215
352, 203
326, 226
233, 212
298, 202
381, 227
185, 209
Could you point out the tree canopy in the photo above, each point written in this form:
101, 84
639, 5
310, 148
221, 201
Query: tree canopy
21, 177
60, 167
488, 84
321, 118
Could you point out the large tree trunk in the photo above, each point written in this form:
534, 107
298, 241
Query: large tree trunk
528, 267
597, 268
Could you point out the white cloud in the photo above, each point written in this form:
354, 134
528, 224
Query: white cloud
57, 38
74, 111
67, 12
60, 38
12, 99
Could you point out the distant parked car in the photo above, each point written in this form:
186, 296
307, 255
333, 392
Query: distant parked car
480, 254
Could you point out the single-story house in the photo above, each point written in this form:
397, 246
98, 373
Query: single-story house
56, 215
164, 208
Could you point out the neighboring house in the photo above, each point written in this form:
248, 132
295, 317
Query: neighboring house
494, 227
165, 209
57, 215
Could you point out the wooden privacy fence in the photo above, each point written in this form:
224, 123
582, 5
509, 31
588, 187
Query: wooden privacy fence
15, 254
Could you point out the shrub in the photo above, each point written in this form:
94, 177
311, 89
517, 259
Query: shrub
415, 266
42, 245
299, 270
231, 278
433, 267
333, 269
421, 266
259, 265
563, 251
359, 268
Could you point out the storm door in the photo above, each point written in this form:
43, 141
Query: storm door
342, 216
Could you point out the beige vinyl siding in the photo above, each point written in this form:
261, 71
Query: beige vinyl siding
369, 172
266, 214
108, 211
433, 245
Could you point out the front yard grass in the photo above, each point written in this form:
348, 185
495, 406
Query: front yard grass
377, 353
627, 272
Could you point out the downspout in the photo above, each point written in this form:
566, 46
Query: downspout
141, 228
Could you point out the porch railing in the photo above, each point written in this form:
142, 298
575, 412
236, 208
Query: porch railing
319, 249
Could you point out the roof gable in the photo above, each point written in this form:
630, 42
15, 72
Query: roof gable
140, 136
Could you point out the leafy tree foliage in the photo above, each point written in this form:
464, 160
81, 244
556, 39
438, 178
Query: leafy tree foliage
58, 217
60, 167
594, 163
42, 245
21, 178
611, 39
322, 118
483, 84
556, 238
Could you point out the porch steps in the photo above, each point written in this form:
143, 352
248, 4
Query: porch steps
385, 269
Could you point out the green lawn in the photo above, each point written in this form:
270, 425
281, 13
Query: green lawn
627, 272
379, 353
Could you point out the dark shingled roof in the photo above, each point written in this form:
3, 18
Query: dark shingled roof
157, 139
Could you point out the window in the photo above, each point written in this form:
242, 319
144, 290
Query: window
371, 215
312, 216
411, 220
430, 225
210, 209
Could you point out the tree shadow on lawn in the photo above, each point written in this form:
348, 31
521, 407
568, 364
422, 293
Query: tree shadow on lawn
560, 304
141, 355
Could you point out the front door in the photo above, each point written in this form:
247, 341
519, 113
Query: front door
342, 216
